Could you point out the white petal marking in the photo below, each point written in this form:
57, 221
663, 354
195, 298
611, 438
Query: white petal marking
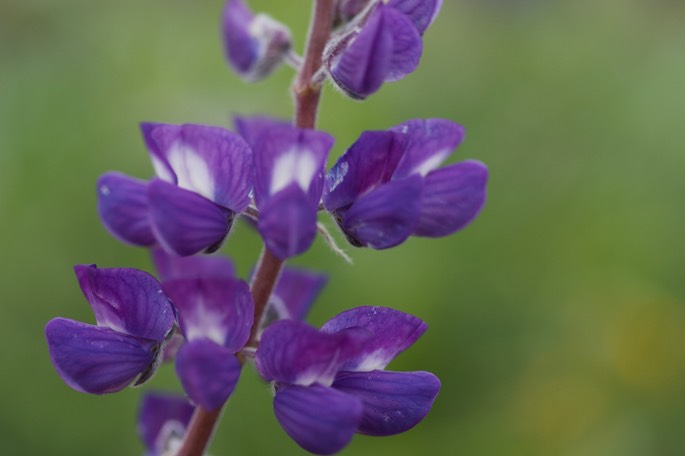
192, 170
295, 165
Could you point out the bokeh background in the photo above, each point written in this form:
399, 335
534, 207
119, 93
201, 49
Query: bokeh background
557, 319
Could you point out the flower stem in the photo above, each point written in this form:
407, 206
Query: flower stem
305, 90
307, 95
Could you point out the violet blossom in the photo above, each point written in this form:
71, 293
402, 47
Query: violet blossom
215, 317
289, 166
133, 317
204, 177
330, 384
387, 185
381, 44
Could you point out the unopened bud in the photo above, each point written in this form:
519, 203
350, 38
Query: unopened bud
255, 45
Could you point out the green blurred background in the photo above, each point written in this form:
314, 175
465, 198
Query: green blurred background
557, 319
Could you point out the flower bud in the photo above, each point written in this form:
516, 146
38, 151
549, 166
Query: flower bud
255, 45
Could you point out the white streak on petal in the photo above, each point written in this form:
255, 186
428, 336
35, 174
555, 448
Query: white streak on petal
192, 170
204, 324
373, 361
161, 170
431, 163
296, 165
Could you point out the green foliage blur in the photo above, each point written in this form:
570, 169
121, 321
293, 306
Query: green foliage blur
557, 319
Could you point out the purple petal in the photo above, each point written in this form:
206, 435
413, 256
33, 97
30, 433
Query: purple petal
391, 332
385, 217
252, 128
219, 309
210, 161
289, 155
96, 360
407, 45
297, 289
452, 197
421, 12
127, 300
162, 417
241, 50
208, 372
360, 62
394, 402
293, 352
427, 143
123, 208
172, 267
186, 223
287, 222
368, 163
321, 420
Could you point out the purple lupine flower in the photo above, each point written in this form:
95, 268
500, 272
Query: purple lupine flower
204, 177
292, 297
382, 44
289, 166
254, 45
162, 422
387, 186
133, 317
215, 316
330, 384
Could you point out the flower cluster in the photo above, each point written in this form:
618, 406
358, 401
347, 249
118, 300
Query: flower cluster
197, 313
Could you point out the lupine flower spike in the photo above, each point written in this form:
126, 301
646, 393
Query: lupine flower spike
328, 383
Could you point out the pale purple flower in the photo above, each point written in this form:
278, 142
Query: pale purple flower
162, 422
133, 317
381, 44
330, 384
388, 185
204, 178
254, 45
289, 165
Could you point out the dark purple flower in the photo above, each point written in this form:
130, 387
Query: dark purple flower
330, 384
162, 422
387, 186
289, 166
254, 45
215, 316
133, 317
382, 44
204, 177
